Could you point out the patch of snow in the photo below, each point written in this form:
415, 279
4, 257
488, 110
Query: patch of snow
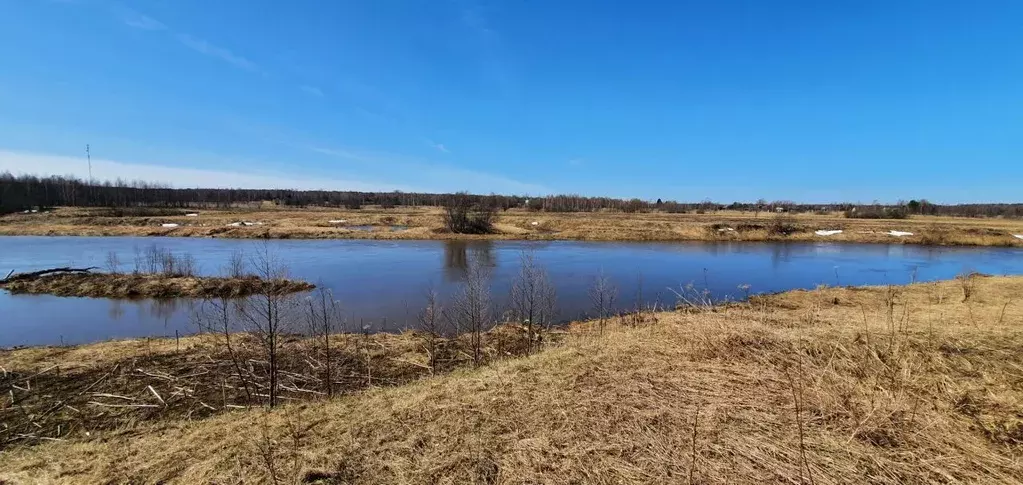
26, 211
726, 229
827, 232
170, 224
234, 224
35, 210
192, 215
899, 233
1018, 236
338, 221
534, 223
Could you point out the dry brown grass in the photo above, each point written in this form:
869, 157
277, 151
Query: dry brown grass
108, 285
895, 385
74, 393
427, 223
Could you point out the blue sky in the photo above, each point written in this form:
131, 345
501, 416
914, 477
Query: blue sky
727, 100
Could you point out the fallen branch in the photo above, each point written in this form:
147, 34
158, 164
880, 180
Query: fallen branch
34, 437
95, 403
37, 374
157, 395
114, 396
158, 376
12, 276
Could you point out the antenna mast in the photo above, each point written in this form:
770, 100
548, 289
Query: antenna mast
88, 156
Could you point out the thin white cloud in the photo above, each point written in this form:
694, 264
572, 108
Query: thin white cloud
313, 90
338, 153
46, 164
143, 22
436, 146
140, 21
203, 47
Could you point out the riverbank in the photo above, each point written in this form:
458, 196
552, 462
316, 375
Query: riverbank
835, 385
427, 223
157, 286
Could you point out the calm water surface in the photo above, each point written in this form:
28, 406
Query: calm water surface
381, 283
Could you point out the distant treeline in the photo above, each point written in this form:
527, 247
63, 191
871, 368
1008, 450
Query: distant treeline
24, 192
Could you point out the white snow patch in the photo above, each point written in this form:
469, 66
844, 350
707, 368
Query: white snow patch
234, 224
169, 224
35, 210
725, 229
192, 215
534, 223
338, 221
1018, 236
899, 233
827, 232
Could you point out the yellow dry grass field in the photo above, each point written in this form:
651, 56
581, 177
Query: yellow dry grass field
888, 385
427, 223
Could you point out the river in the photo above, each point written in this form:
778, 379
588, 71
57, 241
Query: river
381, 284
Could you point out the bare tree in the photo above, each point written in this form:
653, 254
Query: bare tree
217, 320
325, 320
269, 314
235, 266
464, 215
138, 260
113, 262
533, 298
432, 325
602, 296
760, 205
471, 309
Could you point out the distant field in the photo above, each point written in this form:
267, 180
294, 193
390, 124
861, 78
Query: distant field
428, 223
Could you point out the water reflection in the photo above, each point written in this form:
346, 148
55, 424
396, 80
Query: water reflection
458, 254
116, 310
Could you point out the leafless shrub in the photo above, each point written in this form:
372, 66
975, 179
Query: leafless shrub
967, 283
324, 320
602, 298
745, 288
877, 212
432, 324
533, 299
269, 315
138, 261
113, 263
216, 318
463, 215
689, 298
159, 260
185, 265
471, 309
783, 225
235, 266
